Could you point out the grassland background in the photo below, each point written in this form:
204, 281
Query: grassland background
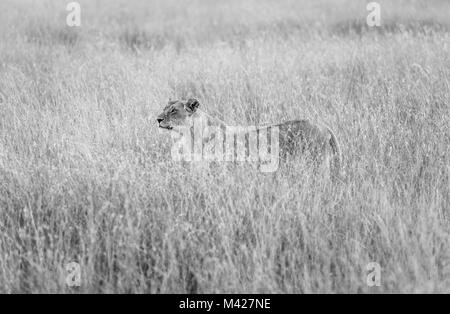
86, 176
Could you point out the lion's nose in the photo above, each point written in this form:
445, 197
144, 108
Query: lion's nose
159, 120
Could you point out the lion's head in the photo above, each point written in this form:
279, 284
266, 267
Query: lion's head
177, 113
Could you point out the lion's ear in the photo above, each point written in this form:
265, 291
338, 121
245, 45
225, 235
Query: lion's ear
192, 105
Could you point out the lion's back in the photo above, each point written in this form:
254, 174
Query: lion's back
297, 136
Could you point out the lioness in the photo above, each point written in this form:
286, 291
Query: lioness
292, 138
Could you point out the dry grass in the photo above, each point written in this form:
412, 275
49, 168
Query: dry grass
85, 175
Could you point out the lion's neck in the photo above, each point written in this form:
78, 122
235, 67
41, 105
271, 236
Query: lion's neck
207, 118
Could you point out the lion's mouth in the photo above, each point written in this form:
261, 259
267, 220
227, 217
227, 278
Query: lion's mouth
167, 127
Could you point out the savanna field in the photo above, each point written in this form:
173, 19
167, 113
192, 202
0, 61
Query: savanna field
86, 176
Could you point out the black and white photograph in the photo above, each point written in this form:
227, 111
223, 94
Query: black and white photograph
224, 152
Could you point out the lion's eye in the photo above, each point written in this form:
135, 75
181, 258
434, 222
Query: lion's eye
173, 110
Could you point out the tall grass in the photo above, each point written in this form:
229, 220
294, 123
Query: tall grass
86, 176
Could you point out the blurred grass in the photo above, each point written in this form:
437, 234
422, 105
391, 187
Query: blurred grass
86, 176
